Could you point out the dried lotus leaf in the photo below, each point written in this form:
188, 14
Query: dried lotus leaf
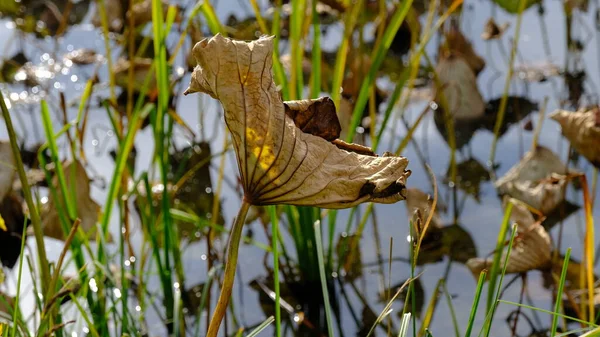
278, 163
315, 116
582, 129
459, 86
457, 43
531, 250
87, 209
538, 180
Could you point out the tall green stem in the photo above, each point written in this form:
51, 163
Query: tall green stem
33, 211
229, 277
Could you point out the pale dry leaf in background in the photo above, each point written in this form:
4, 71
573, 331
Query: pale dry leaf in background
582, 129
87, 209
457, 44
7, 169
538, 180
532, 248
278, 163
459, 86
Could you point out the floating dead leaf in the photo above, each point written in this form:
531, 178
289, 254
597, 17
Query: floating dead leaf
457, 44
114, 17
532, 248
87, 209
278, 163
11, 210
7, 169
142, 12
459, 86
348, 251
492, 31
539, 180
582, 129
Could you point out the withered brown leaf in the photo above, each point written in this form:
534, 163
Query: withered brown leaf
539, 180
278, 162
532, 248
582, 129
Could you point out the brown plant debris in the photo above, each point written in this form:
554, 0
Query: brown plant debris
278, 162
539, 180
582, 129
532, 248
492, 31
87, 209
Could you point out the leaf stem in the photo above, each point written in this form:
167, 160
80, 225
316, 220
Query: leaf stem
230, 266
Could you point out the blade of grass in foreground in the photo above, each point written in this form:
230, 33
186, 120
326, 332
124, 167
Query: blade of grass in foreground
497, 256
315, 87
261, 327
319, 243
561, 284
571, 318
404, 325
33, 210
589, 246
274, 239
17, 296
475, 303
378, 55
491, 312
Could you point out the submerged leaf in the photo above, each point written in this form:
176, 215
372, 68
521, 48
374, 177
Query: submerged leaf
457, 44
87, 209
278, 163
582, 129
531, 250
539, 180
421, 202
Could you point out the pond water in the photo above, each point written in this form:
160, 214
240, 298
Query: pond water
542, 41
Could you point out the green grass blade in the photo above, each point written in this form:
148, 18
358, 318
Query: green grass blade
478, 291
498, 255
574, 319
404, 325
52, 145
261, 327
319, 243
274, 239
561, 284
33, 210
315, 87
378, 55
499, 290
20, 274
212, 20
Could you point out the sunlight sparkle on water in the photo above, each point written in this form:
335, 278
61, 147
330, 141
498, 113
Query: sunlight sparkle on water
117, 293
73, 334
138, 308
93, 285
